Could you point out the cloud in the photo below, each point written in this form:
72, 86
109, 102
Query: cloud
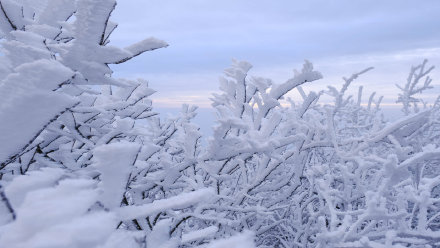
175, 89
336, 26
340, 37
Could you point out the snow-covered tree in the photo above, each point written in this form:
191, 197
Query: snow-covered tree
49, 63
85, 162
314, 175
257, 155
377, 184
75, 134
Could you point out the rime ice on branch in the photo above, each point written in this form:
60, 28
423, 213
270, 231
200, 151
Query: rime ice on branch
85, 162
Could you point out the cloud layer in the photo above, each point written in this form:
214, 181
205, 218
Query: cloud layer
340, 37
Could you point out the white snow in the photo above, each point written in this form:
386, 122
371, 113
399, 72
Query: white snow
243, 240
60, 211
89, 166
199, 234
17, 190
176, 202
114, 161
24, 112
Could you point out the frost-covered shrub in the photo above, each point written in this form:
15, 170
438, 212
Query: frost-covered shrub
74, 134
53, 54
326, 176
377, 184
85, 162
255, 158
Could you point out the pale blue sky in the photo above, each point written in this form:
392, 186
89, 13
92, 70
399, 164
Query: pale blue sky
339, 37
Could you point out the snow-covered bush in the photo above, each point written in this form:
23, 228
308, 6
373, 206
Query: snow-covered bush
256, 156
73, 133
85, 162
379, 186
334, 175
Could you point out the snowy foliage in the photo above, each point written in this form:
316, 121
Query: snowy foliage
85, 162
